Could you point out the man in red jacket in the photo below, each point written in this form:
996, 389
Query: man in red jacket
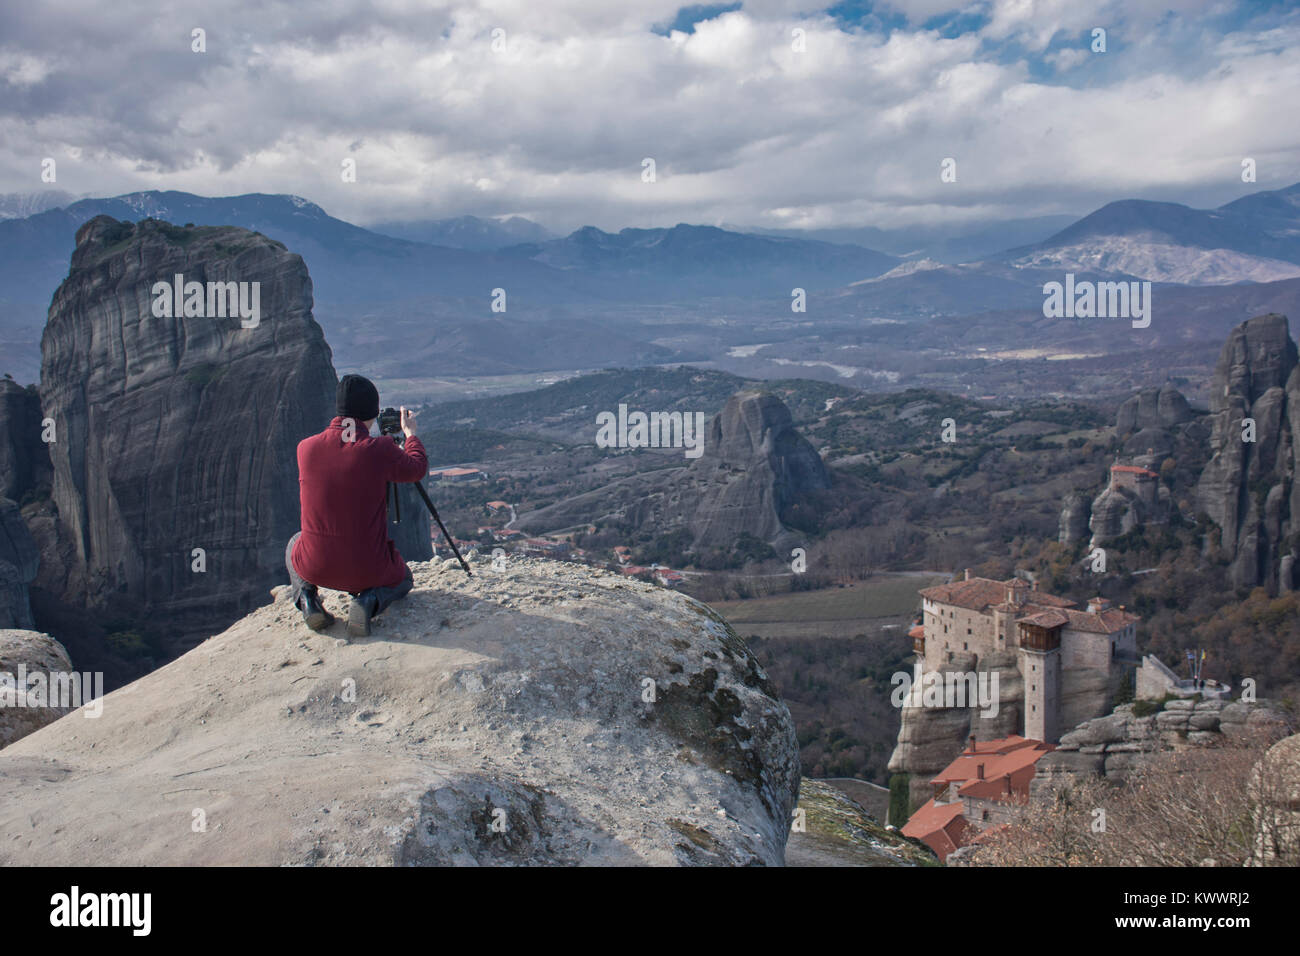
343, 477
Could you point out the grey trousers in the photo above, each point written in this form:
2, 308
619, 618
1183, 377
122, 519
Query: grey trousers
383, 596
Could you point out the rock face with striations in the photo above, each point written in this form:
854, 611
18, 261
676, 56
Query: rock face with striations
1075, 513
501, 719
24, 464
754, 467
1248, 487
176, 434
19, 562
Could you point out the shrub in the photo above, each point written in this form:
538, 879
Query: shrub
900, 800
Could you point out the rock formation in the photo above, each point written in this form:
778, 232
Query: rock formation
1118, 509
176, 434
19, 561
549, 713
24, 471
1153, 424
1248, 487
1275, 792
1113, 745
1162, 407
1075, 515
930, 738
25, 653
24, 464
755, 467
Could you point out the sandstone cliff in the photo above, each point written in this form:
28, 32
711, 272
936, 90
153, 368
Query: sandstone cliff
24, 472
755, 468
1075, 514
930, 738
24, 464
175, 434
546, 714
1161, 407
1248, 488
1117, 511
1152, 425
19, 561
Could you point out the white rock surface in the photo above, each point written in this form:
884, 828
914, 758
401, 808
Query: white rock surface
495, 720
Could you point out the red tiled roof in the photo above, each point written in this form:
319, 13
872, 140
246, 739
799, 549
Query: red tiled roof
1103, 622
1134, 470
918, 631
1053, 617
1016, 767
941, 827
976, 594
985, 752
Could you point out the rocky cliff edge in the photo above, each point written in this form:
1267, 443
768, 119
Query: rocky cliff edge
505, 718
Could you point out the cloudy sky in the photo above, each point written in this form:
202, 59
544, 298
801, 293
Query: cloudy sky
553, 118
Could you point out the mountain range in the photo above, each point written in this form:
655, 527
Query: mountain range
467, 232
400, 298
1255, 238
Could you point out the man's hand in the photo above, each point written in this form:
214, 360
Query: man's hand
408, 422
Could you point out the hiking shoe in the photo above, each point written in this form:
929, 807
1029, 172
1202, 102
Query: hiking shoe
360, 611
313, 613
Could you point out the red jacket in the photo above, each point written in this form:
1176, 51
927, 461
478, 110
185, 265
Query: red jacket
343, 489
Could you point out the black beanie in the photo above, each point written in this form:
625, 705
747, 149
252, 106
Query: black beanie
357, 398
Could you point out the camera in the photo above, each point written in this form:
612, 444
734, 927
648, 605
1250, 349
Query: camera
390, 422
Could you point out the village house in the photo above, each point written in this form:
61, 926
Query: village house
667, 576
543, 548
1064, 653
457, 474
980, 790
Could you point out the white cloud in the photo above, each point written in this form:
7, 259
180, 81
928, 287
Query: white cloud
743, 128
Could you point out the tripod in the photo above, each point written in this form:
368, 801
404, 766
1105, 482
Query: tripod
397, 516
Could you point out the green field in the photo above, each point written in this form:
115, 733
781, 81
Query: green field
881, 596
